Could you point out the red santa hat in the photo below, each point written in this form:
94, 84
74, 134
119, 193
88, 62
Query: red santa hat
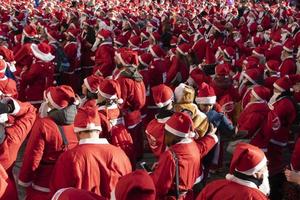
42, 51
222, 70
110, 89
155, 36
272, 65
30, 31
157, 51
276, 37
87, 119
184, 49
289, 45
145, 59
162, 95
247, 159
127, 57
137, 185
261, 93
53, 35
283, 84
60, 96
121, 40
74, 32
135, 41
206, 94
92, 83
181, 125
185, 37
104, 34
252, 75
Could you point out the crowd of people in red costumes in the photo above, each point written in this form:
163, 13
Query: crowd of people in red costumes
88, 87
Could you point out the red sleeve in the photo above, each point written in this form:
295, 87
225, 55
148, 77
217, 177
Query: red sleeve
174, 68
103, 57
3, 178
33, 154
206, 143
295, 165
164, 173
35, 70
251, 123
25, 115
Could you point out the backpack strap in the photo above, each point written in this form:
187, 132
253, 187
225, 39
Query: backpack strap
64, 138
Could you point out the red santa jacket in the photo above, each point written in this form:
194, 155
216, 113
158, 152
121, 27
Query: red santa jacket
288, 66
158, 69
269, 81
231, 189
44, 146
37, 78
199, 49
75, 194
178, 71
94, 165
24, 55
254, 120
189, 155
72, 53
24, 117
155, 135
104, 59
133, 93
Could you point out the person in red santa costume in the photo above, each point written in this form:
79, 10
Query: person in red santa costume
247, 178
255, 120
16, 118
104, 56
183, 155
90, 89
284, 107
94, 165
137, 185
109, 100
51, 135
163, 97
3, 180
271, 73
72, 50
133, 93
288, 65
38, 76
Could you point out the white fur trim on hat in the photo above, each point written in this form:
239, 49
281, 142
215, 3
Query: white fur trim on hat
153, 52
176, 132
258, 54
256, 95
142, 62
249, 78
86, 83
47, 33
287, 49
51, 101
163, 104
89, 127
180, 51
255, 169
37, 53
121, 60
107, 96
278, 87
206, 100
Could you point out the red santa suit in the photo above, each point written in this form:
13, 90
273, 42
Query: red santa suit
104, 59
177, 72
87, 63
75, 194
247, 160
285, 109
274, 53
45, 145
3, 182
39, 76
190, 168
24, 117
71, 77
133, 93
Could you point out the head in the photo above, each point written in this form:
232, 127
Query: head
88, 134
205, 107
171, 139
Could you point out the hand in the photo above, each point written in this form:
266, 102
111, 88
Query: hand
292, 176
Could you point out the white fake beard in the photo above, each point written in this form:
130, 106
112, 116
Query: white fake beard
265, 186
44, 109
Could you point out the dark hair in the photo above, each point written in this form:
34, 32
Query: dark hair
91, 95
